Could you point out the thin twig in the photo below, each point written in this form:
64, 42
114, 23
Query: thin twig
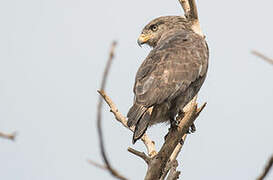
200, 109
8, 136
142, 155
108, 65
267, 59
150, 145
97, 164
266, 169
101, 142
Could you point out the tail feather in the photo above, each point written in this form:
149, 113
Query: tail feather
135, 113
139, 117
141, 126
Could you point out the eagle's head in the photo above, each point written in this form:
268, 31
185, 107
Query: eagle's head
153, 32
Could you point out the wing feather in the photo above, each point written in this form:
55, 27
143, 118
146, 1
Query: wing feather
170, 68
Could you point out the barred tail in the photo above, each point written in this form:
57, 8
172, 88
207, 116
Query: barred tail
139, 117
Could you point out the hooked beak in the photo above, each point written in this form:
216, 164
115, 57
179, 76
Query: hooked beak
143, 39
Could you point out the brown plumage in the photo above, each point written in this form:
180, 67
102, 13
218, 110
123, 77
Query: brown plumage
170, 76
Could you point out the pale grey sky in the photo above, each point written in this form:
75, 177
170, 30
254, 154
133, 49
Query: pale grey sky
52, 56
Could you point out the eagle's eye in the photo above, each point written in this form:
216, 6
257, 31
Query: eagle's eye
154, 27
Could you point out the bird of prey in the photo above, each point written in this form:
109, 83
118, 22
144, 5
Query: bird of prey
170, 76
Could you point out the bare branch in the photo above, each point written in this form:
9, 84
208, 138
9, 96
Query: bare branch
270, 162
266, 169
178, 148
97, 165
173, 158
142, 155
267, 59
186, 7
101, 142
8, 136
193, 10
114, 109
108, 65
150, 145
190, 10
158, 163
200, 109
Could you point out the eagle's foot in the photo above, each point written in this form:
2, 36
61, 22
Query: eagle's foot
174, 126
174, 123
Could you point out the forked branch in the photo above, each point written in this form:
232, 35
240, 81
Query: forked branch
150, 145
190, 10
158, 163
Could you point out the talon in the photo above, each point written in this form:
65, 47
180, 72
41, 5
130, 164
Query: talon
174, 124
180, 115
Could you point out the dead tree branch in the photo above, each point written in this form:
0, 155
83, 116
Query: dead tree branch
189, 8
186, 7
172, 159
8, 136
190, 11
158, 162
97, 165
142, 155
270, 162
174, 174
101, 142
260, 55
150, 145
171, 162
266, 169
